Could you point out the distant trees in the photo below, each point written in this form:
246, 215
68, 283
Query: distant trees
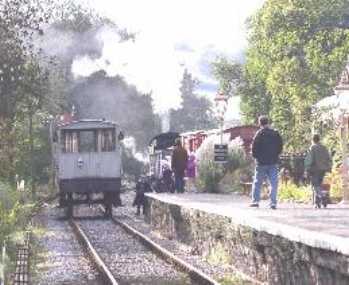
23, 83
195, 112
297, 50
36, 82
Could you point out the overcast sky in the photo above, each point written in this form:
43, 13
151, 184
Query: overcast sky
171, 35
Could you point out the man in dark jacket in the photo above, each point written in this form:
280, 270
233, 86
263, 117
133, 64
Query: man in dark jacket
266, 148
179, 164
317, 162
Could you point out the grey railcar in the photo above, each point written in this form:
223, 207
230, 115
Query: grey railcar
88, 161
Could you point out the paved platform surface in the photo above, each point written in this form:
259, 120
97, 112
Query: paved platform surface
323, 228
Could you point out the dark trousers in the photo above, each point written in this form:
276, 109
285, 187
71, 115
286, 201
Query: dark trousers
317, 178
179, 182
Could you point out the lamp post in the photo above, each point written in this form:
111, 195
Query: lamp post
345, 168
221, 103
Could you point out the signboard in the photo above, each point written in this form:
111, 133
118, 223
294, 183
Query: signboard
220, 153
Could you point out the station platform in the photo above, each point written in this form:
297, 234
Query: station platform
303, 240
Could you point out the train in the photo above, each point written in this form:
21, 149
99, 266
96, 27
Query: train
87, 159
88, 165
160, 146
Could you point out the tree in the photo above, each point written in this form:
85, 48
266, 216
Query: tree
20, 22
195, 112
296, 52
229, 75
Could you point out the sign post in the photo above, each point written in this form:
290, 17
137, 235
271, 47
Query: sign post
221, 107
221, 150
220, 153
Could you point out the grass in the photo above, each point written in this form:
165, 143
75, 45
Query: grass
218, 255
232, 279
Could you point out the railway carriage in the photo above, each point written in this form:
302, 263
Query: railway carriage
161, 146
88, 161
160, 152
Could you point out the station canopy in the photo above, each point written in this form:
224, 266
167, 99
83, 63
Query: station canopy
337, 105
333, 106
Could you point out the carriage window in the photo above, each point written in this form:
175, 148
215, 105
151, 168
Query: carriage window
70, 142
108, 140
87, 141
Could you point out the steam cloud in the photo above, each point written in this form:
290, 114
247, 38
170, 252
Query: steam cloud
94, 84
140, 64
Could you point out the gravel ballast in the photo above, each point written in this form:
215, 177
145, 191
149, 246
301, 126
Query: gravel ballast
58, 257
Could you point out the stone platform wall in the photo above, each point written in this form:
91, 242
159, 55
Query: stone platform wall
260, 255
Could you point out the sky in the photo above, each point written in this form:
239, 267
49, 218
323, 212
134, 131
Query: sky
171, 36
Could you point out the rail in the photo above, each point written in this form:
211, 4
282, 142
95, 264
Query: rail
94, 256
194, 273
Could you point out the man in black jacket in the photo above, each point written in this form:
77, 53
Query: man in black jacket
266, 148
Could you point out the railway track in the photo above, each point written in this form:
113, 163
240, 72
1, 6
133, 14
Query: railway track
57, 257
123, 255
107, 276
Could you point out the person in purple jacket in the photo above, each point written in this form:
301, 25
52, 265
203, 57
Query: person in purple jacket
191, 172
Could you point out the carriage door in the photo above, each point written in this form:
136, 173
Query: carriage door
87, 152
107, 161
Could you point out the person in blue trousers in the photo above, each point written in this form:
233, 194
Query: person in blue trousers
266, 149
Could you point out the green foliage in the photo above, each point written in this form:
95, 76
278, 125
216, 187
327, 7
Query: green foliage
13, 213
218, 255
14, 217
335, 180
196, 111
228, 73
25, 89
233, 279
290, 192
210, 173
297, 50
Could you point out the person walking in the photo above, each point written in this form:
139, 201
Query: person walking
266, 149
178, 165
317, 162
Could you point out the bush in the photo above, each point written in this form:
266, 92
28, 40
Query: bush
335, 180
210, 173
290, 192
13, 218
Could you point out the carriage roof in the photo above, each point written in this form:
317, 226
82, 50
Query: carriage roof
88, 125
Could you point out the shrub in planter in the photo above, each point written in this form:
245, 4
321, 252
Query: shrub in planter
210, 173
